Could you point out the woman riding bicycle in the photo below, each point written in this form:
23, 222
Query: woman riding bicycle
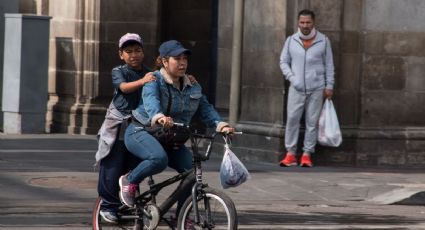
187, 101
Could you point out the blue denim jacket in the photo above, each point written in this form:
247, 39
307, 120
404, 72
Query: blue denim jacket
184, 105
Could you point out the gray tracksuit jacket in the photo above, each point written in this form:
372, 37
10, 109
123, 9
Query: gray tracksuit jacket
308, 69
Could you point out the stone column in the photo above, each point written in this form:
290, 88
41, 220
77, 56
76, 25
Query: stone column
392, 89
74, 66
262, 89
88, 64
25, 73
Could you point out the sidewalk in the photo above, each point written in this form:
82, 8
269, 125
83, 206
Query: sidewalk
53, 174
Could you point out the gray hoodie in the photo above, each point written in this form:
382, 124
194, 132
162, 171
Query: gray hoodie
308, 69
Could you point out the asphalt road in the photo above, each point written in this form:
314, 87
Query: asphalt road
48, 182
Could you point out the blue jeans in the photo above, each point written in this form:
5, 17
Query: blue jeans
154, 158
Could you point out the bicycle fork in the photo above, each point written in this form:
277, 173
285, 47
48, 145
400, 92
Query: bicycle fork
197, 191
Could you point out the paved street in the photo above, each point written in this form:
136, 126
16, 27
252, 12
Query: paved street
48, 182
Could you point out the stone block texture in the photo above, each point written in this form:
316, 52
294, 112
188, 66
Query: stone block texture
379, 55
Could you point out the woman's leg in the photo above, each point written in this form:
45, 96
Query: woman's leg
141, 144
154, 160
130, 162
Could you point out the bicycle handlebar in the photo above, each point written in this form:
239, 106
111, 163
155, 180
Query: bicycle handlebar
188, 127
180, 124
225, 135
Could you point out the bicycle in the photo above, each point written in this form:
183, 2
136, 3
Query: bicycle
206, 208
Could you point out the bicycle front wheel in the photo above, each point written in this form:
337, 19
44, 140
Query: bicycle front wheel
216, 211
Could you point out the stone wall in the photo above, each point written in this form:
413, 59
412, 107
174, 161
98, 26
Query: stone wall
379, 59
394, 57
393, 83
193, 23
381, 87
262, 89
378, 51
84, 49
116, 19
71, 61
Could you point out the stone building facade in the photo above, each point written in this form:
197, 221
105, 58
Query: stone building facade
378, 50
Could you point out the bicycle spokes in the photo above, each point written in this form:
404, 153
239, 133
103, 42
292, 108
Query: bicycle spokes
213, 210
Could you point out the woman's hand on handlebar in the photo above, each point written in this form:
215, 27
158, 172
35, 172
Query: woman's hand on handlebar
227, 130
167, 122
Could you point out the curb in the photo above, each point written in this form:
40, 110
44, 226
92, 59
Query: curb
409, 195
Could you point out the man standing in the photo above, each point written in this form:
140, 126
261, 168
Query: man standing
306, 61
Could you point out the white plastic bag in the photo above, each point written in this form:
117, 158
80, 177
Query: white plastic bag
232, 171
329, 133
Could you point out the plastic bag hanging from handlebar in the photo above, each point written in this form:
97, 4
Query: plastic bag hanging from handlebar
232, 172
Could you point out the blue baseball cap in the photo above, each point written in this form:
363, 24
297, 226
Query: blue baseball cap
172, 48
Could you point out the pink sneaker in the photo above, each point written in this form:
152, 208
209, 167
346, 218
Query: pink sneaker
127, 191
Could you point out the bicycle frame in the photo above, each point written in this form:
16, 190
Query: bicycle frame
154, 189
192, 178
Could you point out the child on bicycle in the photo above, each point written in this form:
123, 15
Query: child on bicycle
186, 101
112, 155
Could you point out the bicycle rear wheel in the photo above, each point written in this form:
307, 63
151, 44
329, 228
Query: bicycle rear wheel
213, 204
99, 224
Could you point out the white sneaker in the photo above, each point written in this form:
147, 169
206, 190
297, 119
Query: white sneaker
109, 216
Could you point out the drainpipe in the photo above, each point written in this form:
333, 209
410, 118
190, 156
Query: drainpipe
235, 78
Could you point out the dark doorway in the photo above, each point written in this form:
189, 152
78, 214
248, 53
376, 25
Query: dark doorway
194, 23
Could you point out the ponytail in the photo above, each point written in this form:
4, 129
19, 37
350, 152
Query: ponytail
158, 63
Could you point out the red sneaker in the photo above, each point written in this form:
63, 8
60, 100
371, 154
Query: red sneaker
306, 161
288, 161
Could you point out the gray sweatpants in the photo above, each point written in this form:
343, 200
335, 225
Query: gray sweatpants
298, 102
